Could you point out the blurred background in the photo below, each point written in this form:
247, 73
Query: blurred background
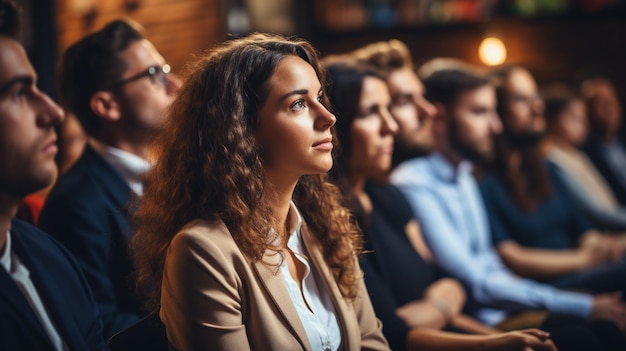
556, 39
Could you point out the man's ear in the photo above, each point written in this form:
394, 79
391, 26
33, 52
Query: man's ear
104, 105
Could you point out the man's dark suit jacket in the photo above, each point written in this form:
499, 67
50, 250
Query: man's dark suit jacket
87, 211
593, 149
62, 288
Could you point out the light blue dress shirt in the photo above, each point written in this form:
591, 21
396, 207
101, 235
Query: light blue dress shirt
447, 203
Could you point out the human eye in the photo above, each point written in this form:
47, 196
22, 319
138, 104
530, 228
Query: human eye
368, 112
298, 105
19, 92
402, 100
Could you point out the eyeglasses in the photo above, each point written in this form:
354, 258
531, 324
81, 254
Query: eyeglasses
157, 74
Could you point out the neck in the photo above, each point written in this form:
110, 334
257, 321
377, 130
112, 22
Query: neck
280, 192
135, 146
8, 209
449, 153
559, 142
358, 188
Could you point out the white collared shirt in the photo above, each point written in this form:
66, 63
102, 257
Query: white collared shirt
131, 167
320, 322
21, 276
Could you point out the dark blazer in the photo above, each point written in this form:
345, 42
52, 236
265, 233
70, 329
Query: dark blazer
62, 288
593, 149
87, 211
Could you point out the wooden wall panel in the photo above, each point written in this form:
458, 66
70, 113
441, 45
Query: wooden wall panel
178, 28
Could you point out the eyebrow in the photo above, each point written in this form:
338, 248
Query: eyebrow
298, 92
25, 80
294, 92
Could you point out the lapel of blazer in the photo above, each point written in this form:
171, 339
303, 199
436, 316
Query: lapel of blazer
342, 310
274, 284
15, 300
50, 292
113, 184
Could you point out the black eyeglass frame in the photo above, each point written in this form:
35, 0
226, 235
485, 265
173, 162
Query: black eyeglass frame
151, 72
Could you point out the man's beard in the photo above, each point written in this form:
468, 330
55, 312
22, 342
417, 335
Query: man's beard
524, 139
403, 151
468, 150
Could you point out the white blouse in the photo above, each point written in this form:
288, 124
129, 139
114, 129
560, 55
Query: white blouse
320, 321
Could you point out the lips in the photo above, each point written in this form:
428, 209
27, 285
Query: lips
51, 147
324, 144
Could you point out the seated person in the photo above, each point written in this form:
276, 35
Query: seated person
253, 250
45, 301
566, 119
539, 231
603, 145
118, 86
407, 294
446, 201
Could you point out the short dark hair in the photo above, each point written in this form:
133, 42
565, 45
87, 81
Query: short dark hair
92, 64
9, 19
445, 86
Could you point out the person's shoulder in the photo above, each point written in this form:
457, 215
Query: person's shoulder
82, 173
27, 230
84, 184
204, 235
414, 171
38, 242
491, 188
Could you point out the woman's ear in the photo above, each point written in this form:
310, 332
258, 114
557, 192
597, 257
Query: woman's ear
104, 105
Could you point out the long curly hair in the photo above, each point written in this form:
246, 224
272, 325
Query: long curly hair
209, 167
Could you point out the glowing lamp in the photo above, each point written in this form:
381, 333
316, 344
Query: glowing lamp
492, 51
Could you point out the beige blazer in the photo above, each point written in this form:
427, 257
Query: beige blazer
213, 298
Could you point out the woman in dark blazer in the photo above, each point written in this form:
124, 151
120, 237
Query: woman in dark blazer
414, 303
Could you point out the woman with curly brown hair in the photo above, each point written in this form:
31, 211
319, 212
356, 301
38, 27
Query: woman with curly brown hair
241, 238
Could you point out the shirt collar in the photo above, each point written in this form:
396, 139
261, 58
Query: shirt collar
131, 167
295, 224
5, 256
446, 170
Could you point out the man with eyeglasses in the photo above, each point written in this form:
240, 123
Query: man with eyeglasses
119, 87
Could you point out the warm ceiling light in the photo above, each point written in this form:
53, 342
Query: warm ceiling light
492, 51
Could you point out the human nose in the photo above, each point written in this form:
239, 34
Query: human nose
324, 119
48, 112
495, 124
538, 106
172, 84
424, 108
388, 123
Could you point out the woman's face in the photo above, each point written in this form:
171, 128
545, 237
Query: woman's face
294, 130
572, 123
372, 131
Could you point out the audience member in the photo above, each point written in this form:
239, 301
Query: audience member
446, 201
117, 84
566, 119
253, 250
405, 288
45, 301
603, 145
537, 228
411, 111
